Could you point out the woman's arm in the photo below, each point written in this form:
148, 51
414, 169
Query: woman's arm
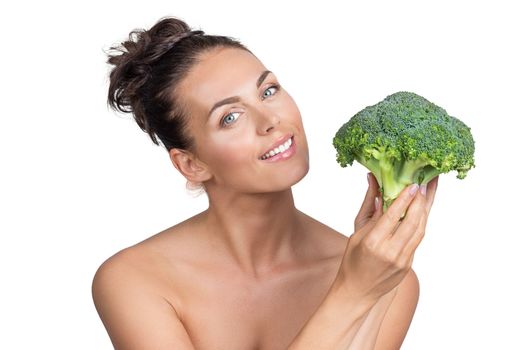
340, 323
334, 324
387, 323
377, 260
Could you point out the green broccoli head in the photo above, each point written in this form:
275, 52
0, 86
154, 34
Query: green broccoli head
405, 139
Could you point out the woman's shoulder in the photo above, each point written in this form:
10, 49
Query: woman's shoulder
155, 266
325, 236
153, 253
326, 243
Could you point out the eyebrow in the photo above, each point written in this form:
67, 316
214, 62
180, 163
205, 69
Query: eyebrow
237, 98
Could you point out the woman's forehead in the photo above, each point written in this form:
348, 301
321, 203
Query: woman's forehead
221, 74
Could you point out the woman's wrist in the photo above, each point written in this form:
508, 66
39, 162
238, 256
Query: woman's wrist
343, 295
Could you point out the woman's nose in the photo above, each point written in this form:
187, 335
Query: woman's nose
267, 120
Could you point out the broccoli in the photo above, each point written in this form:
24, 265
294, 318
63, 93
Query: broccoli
405, 139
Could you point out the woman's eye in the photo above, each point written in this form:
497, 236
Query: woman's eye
228, 119
276, 87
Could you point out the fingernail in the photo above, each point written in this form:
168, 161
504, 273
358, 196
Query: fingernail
368, 178
423, 189
376, 202
413, 189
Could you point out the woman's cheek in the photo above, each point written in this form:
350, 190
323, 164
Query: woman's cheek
230, 153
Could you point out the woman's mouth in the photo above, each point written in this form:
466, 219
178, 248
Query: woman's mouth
283, 151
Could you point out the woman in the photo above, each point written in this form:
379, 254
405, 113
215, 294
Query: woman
251, 271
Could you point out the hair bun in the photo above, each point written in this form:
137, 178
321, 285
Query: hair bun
133, 60
165, 34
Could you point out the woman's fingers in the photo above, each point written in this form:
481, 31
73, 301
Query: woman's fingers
416, 239
411, 228
368, 207
389, 220
408, 233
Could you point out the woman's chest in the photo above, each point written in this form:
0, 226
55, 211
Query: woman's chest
225, 311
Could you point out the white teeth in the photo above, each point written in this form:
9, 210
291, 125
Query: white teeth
277, 150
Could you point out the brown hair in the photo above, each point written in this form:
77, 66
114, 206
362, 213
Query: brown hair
147, 70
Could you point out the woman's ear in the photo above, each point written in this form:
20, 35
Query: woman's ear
189, 165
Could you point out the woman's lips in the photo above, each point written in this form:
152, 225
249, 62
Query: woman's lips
279, 142
283, 155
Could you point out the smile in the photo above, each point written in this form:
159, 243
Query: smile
284, 150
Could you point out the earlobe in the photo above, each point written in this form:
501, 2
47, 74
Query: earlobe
189, 166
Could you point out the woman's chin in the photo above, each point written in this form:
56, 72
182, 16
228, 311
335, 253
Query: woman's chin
294, 177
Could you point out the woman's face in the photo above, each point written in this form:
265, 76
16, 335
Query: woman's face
232, 136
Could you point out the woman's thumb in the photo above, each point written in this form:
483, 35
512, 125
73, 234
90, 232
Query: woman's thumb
368, 208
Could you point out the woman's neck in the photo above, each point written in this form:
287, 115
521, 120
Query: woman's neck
256, 232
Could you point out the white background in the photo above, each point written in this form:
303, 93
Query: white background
79, 182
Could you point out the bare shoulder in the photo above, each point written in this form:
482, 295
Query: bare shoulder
147, 263
133, 270
325, 236
131, 292
400, 314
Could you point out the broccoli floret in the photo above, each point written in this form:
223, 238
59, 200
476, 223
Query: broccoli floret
405, 139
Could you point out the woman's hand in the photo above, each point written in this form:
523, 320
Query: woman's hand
372, 199
380, 252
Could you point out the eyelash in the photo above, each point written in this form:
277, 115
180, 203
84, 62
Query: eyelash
277, 88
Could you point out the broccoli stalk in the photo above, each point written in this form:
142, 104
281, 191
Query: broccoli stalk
394, 175
405, 139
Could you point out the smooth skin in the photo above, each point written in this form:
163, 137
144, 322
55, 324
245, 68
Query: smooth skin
252, 271
379, 257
